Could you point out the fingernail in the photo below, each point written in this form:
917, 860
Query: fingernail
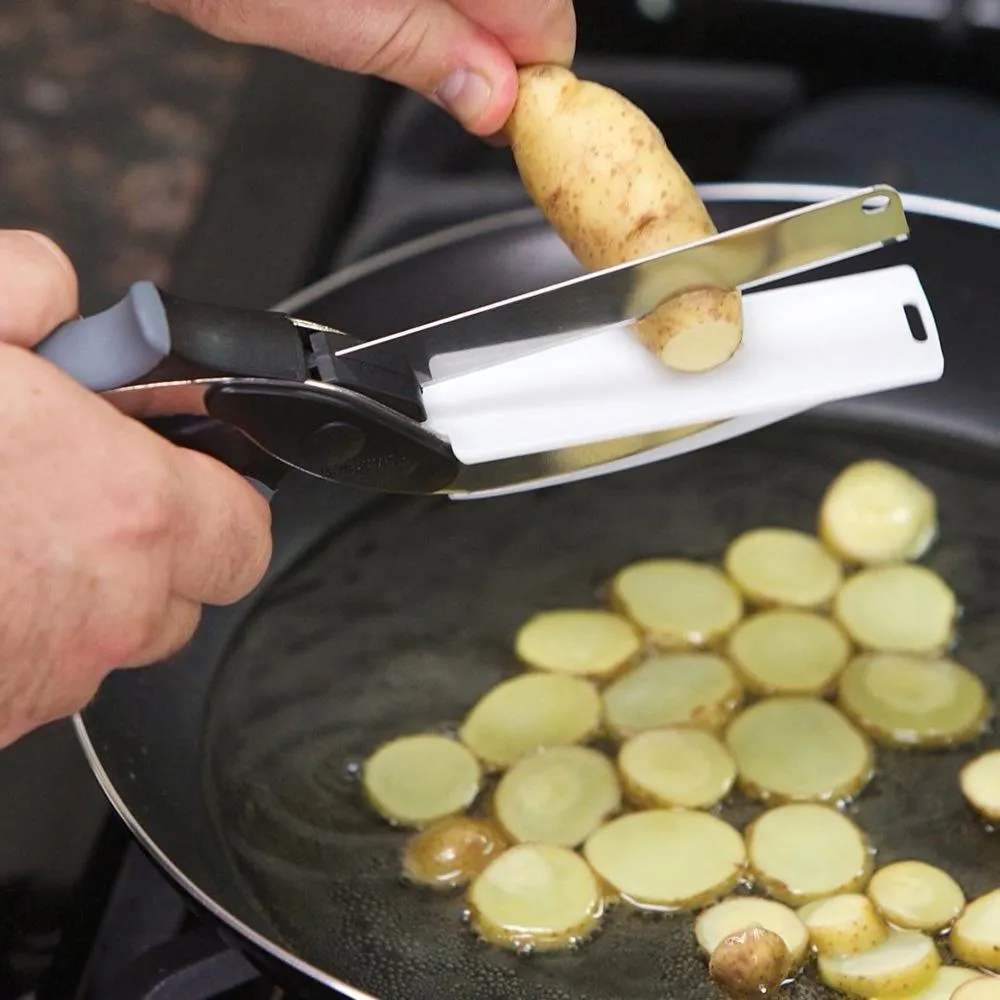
465, 94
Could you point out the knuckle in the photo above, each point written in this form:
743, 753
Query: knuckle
401, 47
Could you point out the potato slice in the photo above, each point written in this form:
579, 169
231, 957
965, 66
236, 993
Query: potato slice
980, 987
904, 963
780, 566
791, 749
980, 784
667, 859
739, 912
536, 897
451, 852
414, 780
945, 983
558, 796
528, 713
676, 767
905, 700
843, 924
803, 852
975, 935
897, 609
788, 652
672, 689
677, 602
750, 962
916, 896
876, 512
583, 642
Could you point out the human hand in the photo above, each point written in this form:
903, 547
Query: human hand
111, 538
461, 54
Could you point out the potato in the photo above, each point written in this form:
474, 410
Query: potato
975, 936
906, 962
601, 173
750, 962
584, 642
980, 784
843, 924
916, 896
738, 914
451, 851
979, 987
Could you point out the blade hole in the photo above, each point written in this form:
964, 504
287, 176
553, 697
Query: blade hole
876, 204
916, 321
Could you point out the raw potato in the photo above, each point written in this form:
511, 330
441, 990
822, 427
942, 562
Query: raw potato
803, 852
843, 924
676, 767
945, 983
451, 852
975, 936
530, 712
897, 609
536, 897
875, 512
557, 796
668, 859
587, 643
903, 964
779, 566
674, 689
916, 896
740, 912
907, 700
601, 173
750, 962
677, 602
414, 780
788, 652
979, 988
790, 749
980, 783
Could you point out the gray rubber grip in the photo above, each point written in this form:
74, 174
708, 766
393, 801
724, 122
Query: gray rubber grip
113, 348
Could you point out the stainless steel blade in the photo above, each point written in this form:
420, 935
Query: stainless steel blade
751, 255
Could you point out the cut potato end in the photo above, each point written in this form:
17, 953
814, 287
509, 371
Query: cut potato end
738, 913
897, 609
788, 652
558, 796
677, 602
875, 512
451, 852
803, 852
673, 689
694, 331
978, 987
587, 642
750, 962
916, 896
791, 749
980, 784
975, 935
783, 567
414, 780
668, 859
904, 963
676, 767
536, 897
843, 924
529, 713
944, 983
905, 700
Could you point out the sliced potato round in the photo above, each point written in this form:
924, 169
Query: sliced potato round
668, 859
783, 567
451, 852
904, 963
528, 713
750, 962
843, 924
897, 609
672, 689
536, 897
980, 987
557, 796
676, 767
788, 652
585, 642
913, 701
677, 602
802, 852
739, 912
945, 982
916, 896
975, 935
414, 780
791, 749
980, 784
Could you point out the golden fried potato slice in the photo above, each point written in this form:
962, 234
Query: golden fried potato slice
916, 896
584, 642
451, 852
905, 962
843, 924
975, 935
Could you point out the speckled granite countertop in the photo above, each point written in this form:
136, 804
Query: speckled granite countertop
110, 114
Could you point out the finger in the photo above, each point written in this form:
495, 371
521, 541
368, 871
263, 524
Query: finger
38, 288
426, 45
180, 621
533, 31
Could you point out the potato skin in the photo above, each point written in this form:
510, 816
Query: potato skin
602, 175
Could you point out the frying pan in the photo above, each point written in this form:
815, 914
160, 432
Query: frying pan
235, 763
